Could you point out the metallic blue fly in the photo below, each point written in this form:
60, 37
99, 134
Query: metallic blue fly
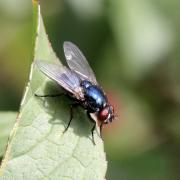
80, 84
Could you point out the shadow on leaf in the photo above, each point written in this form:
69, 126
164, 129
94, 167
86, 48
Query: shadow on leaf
59, 109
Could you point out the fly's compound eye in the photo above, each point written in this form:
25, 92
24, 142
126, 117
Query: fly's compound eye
103, 114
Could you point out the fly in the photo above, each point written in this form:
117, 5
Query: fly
80, 84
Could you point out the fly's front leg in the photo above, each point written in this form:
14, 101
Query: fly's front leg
101, 127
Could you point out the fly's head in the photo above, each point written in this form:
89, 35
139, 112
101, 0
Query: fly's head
106, 114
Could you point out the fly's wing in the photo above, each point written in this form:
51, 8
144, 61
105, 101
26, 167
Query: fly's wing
66, 78
77, 62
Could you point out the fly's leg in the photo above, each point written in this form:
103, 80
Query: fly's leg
50, 95
92, 132
101, 127
93, 128
71, 106
71, 115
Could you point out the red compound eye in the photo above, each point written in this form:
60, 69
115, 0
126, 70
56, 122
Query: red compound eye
103, 114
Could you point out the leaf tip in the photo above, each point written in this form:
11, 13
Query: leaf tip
35, 1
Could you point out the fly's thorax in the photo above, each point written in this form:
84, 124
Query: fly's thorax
94, 96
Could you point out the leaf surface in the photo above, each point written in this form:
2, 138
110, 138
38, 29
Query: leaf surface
38, 148
7, 120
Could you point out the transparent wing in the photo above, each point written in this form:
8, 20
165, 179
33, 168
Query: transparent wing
66, 78
77, 62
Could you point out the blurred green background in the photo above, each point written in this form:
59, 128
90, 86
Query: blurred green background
133, 47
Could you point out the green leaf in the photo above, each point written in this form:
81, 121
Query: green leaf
37, 148
7, 119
